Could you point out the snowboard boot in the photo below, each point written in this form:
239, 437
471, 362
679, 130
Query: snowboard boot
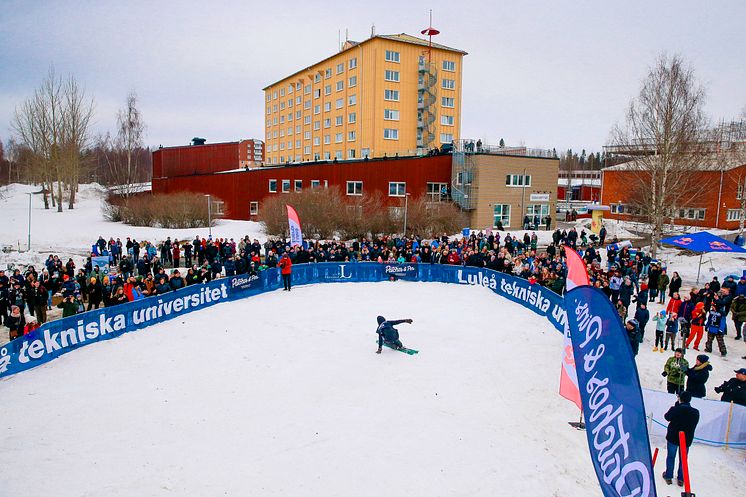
661, 350
378, 351
680, 482
667, 480
655, 349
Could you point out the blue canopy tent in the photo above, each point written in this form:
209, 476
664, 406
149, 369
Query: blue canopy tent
703, 242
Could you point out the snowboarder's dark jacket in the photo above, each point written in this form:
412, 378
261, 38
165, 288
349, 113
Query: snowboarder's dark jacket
386, 331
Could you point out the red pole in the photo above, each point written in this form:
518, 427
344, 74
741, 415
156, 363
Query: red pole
684, 462
655, 456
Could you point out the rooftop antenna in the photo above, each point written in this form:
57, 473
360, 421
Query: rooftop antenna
430, 32
339, 43
372, 30
347, 35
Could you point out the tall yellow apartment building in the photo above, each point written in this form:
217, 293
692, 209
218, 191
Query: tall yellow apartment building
387, 95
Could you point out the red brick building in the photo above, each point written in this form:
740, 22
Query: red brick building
718, 207
241, 190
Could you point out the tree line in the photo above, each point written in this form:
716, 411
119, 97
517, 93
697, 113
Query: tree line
53, 145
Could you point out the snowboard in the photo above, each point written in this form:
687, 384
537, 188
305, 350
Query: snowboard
404, 349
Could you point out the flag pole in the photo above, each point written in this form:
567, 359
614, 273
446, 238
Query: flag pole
699, 268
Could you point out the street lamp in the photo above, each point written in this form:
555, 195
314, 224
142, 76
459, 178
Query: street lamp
29, 222
406, 205
209, 215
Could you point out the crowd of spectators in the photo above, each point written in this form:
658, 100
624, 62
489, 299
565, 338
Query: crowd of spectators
628, 277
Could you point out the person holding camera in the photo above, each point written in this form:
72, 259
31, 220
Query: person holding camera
675, 372
734, 390
69, 306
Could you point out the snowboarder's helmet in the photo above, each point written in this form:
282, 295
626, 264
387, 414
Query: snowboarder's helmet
381, 319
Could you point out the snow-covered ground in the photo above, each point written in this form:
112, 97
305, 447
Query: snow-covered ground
71, 233
248, 398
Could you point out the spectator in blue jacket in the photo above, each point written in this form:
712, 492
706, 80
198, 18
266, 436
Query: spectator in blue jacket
715, 327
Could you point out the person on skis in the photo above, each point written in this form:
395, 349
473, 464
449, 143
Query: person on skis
388, 334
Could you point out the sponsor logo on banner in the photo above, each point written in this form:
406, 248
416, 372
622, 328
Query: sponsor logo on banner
339, 274
616, 425
539, 197
401, 270
245, 282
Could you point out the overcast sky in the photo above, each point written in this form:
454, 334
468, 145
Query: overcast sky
544, 73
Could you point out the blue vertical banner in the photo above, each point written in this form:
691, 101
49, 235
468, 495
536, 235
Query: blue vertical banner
611, 395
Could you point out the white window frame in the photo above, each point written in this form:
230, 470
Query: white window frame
392, 56
271, 190
285, 186
390, 114
397, 189
355, 191
446, 138
352, 118
390, 75
733, 215
253, 208
352, 82
448, 102
390, 134
298, 185
517, 180
352, 99
449, 66
447, 120
340, 85
504, 218
315, 183
391, 95
352, 63
448, 84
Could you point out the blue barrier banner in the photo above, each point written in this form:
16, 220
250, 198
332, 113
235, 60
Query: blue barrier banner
612, 398
58, 337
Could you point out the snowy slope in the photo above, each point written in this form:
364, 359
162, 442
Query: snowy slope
283, 395
72, 232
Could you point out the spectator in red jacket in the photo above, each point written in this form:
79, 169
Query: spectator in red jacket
674, 304
453, 258
286, 268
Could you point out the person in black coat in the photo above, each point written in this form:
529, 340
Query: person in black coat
681, 417
697, 376
734, 390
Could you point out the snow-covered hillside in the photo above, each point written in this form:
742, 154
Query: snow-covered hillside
282, 394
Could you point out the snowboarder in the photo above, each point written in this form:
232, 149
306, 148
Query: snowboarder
388, 334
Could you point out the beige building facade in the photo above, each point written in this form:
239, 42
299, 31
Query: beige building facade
385, 96
497, 188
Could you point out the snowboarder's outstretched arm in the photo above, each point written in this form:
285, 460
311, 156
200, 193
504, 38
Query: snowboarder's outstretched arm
399, 321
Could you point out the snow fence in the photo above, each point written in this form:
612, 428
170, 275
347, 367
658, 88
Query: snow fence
59, 337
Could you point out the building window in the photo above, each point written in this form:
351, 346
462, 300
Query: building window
298, 185
316, 141
286, 186
327, 123
397, 189
733, 215
340, 85
316, 125
390, 114
339, 103
392, 56
290, 88
353, 63
327, 155
352, 100
327, 106
273, 186
437, 191
298, 100
269, 97
448, 102
541, 210
253, 208
306, 135
351, 153
328, 90
446, 138
340, 68
339, 120
365, 152
390, 134
315, 183
218, 207
449, 65
391, 76
307, 105
327, 139
328, 73
354, 188
307, 150
298, 114
392, 95
446, 120
739, 190
692, 214
317, 93
501, 214
317, 109
448, 84
350, 136
338, 138
352, 82
351, 118
517, 180
274, 95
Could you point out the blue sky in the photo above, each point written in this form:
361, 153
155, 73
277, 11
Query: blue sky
541, 73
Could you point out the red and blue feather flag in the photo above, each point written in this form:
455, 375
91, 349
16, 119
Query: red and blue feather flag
296, 234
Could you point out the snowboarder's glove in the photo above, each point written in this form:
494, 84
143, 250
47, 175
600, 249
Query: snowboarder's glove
664, 374
409, 321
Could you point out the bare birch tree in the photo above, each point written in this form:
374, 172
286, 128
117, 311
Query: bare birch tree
123, 156
664, 135
53, 124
